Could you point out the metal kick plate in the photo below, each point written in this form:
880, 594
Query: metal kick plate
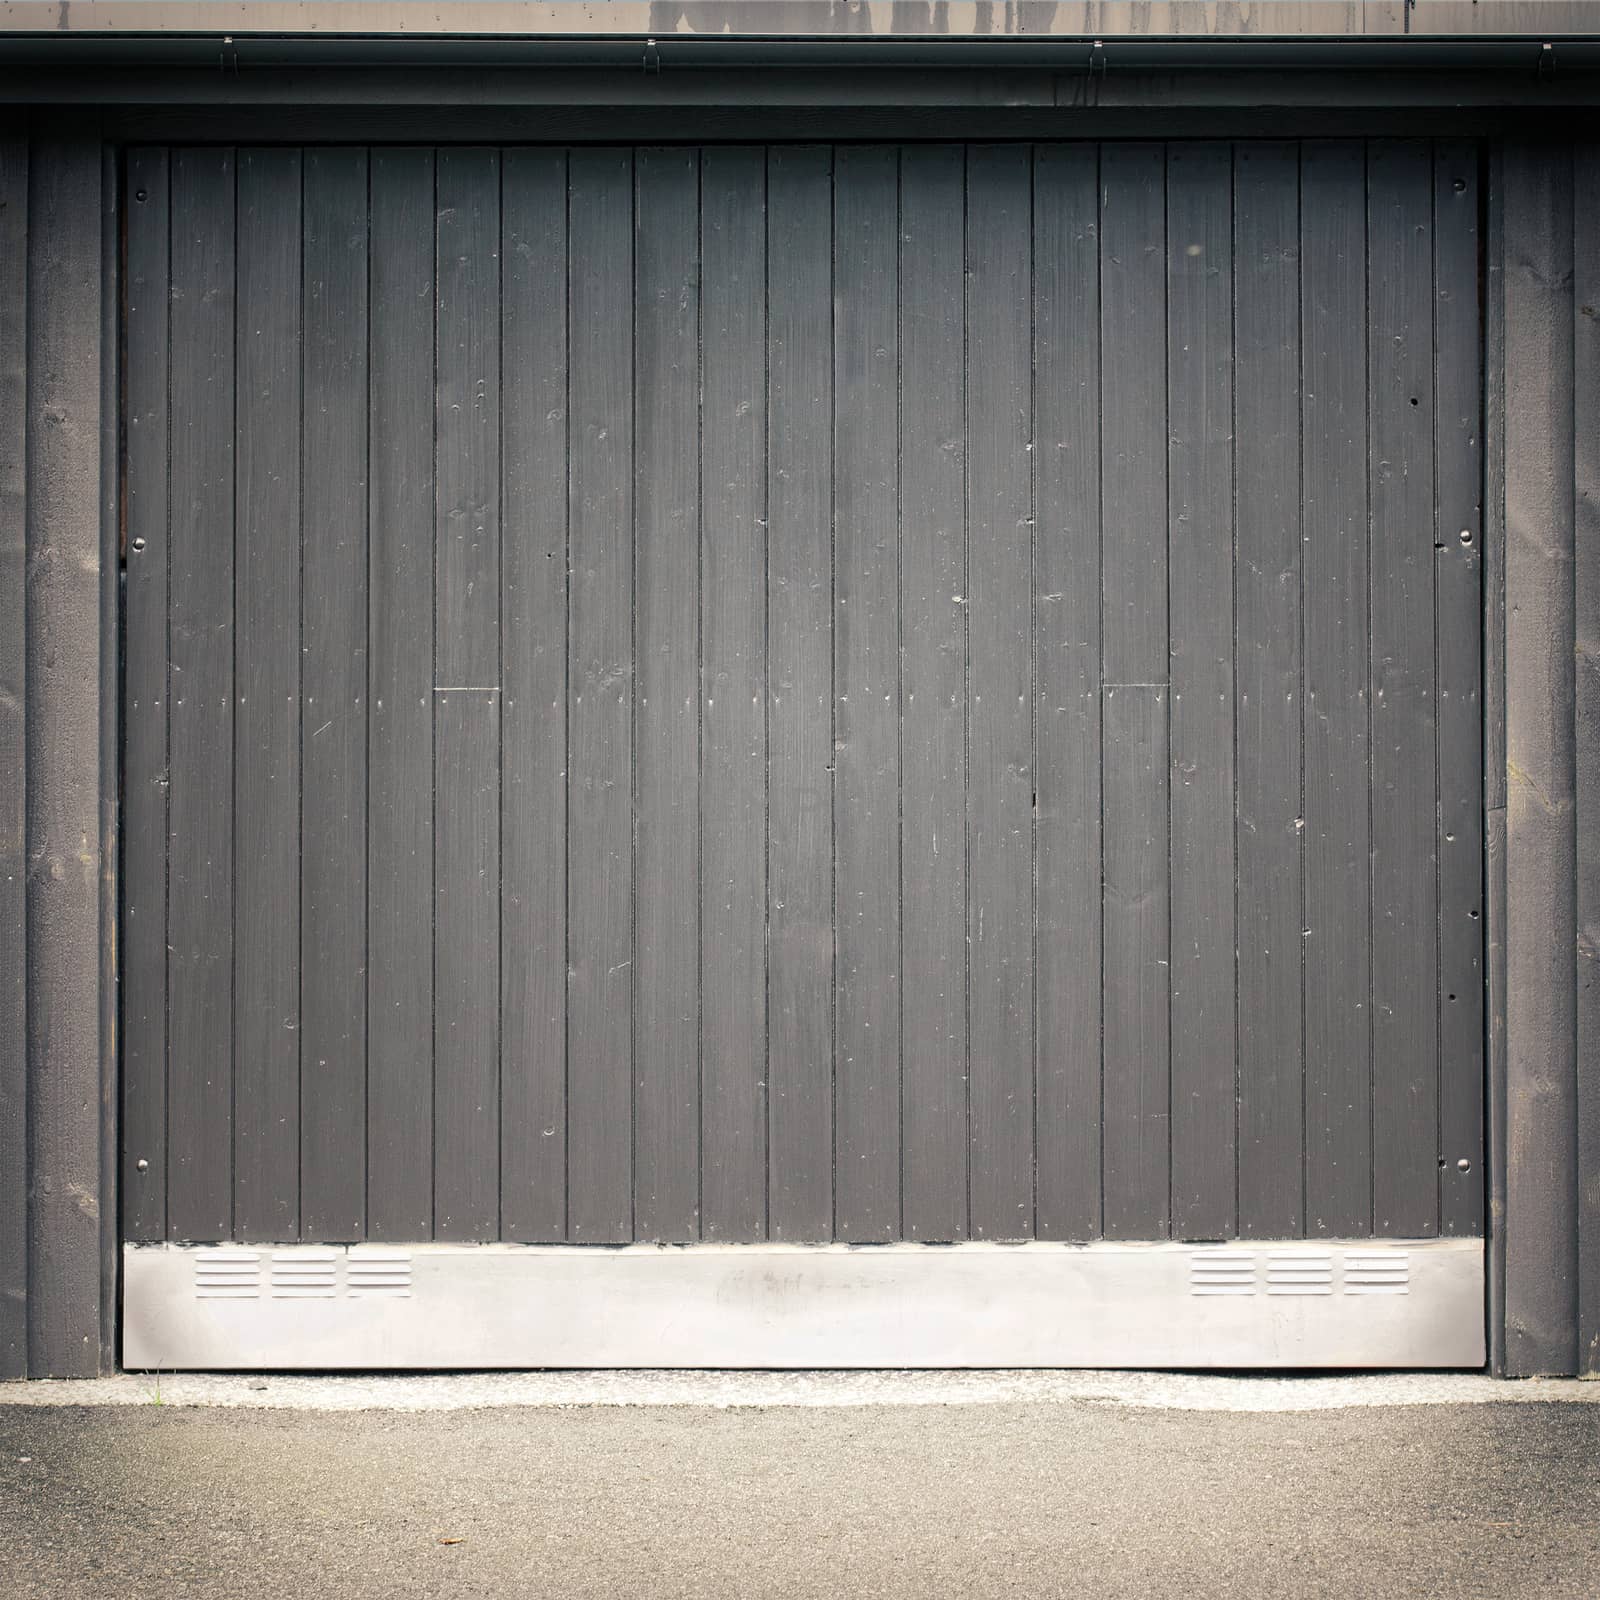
1290, 1304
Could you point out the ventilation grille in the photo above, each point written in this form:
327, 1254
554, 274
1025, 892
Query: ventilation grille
303, 1274
379, 1275
1299, 1272
227, 1275
1381, 1272
1222, 1272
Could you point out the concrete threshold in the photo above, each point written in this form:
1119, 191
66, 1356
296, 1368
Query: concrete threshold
725, 1390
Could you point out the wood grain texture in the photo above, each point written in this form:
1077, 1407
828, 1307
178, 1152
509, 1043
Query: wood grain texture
400, 594
200, 707
65, 639
933, 332
143, 943
466, 687
867, 690
533, 646
1200, 477
600, 700
999, 610
795, 661
1338, 1093
14, 765
1067, 451
1267, 602
1586, 743
267, 1031
1458, 668
800, 816
1134, 666
1405, 963
333, 681
1135, 932
733, 740
1541, 1128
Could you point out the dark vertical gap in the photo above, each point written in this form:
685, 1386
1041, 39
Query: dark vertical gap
499, 698
166, 761
1166, 462
433, 728
900, 663
1304, 709
300, 723
366, 812
966, 670
766, 691
833, 679
633, 718
1440, 554
1033, 665
233, 738
1367, 332
633, 693
1100, 649
1487, 707
566, 716
700, 689
1233, 601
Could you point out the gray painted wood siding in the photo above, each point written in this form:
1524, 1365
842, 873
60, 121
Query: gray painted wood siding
867, 693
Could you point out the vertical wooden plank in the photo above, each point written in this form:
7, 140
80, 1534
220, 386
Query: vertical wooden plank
1458, 539
1268, 690
1000, 687
1405, 966
400, 596
1135, 923
144, 776
201, 794
666, 954
733, 809
333, 732
600, 764
1135, 929
533, 623
933, 709
267, 661
866, 686
1333, 251
800, 949
1200, 543
65, 618
1541, 1127
1586, 718
147, 1041
1494, 739
1066, 207
467, 698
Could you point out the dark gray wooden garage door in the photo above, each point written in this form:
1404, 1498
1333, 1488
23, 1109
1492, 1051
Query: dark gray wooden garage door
802, 693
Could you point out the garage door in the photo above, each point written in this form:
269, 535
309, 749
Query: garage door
785, 700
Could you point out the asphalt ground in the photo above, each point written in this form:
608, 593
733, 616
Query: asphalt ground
1066, 1496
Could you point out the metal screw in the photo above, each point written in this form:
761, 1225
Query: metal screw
138, 545
142, 1164
1464, 1164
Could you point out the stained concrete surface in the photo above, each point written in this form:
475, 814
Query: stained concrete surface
1079, 1497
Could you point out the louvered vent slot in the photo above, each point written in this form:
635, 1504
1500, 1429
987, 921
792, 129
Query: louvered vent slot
1222, 1272
227, 1275
1382, 1272
1299, 1272
378, 1275
305, 1275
